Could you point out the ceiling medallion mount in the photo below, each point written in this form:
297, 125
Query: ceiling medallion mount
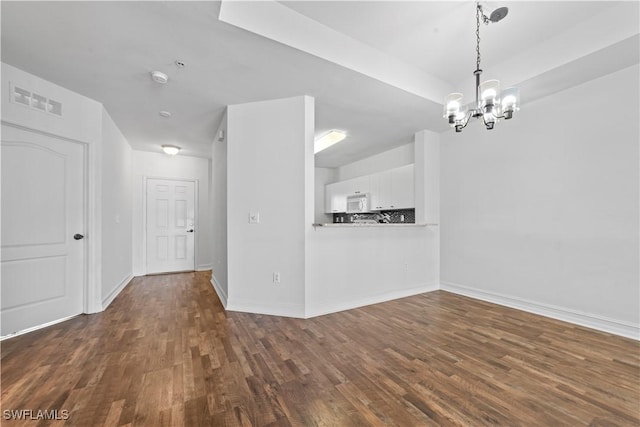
491, 105
159, 77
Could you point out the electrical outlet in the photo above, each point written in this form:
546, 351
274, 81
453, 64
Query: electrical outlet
254, 217
276, 277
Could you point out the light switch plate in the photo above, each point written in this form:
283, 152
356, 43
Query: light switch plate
254, 217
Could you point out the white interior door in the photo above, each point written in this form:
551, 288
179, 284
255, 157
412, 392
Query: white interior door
42, 210
170, 226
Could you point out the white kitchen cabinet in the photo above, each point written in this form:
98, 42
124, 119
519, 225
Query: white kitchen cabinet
391, 189
336, 197
359, 185
402, 188
380, 190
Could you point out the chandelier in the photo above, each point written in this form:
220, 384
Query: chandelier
491, 105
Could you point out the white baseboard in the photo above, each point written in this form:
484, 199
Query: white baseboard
204, 267
601, 323
35, 328
329, 307
302, 312
221, 293
123, 283
257, 307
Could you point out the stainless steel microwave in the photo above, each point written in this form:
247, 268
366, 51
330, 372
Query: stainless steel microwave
359, 203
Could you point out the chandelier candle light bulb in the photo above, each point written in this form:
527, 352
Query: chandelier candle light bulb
510, 101
452, 106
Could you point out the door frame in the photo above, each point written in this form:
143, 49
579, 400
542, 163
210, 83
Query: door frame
196, 219
91, 301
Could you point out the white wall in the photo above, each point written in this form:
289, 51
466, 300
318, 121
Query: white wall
81, 121
352, 267
160, 165
427, 177
266, 147
219, 213
85, 120
117, 268
542, 212
396, 157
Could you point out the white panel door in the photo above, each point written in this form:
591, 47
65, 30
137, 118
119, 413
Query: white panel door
170, 226
42, 210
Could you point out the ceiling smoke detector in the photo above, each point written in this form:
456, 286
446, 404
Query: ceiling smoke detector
164, 113
159, 77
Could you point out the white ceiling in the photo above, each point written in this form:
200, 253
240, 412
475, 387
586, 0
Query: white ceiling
377, 69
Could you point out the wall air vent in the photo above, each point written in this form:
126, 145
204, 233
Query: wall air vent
35, 101
38, 102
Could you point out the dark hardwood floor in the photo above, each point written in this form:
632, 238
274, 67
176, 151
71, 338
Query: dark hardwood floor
166, 353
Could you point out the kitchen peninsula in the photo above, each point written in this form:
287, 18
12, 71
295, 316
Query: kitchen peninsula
357, 260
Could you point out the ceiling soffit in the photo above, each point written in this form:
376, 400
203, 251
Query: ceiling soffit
277, 22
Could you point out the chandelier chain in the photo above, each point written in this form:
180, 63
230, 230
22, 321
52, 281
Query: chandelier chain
478, 11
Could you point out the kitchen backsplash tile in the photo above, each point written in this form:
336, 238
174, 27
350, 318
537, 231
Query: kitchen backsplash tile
400, 216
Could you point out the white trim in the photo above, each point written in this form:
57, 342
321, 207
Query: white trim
143, 262
123, 283
93, 222
222, 295
204, 267
328, 307
35, 328
258, 307
196, 218
601, 323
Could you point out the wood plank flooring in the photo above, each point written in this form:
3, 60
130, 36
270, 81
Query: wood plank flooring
166, 353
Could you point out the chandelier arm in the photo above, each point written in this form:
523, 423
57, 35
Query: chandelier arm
464, 122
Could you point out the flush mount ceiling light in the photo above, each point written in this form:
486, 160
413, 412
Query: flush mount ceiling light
490, 105
171, 150
159, 77
328, 139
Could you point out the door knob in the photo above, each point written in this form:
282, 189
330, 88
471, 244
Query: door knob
78, 236
190, 231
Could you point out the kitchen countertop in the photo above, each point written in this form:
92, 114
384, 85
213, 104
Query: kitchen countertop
378, 225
